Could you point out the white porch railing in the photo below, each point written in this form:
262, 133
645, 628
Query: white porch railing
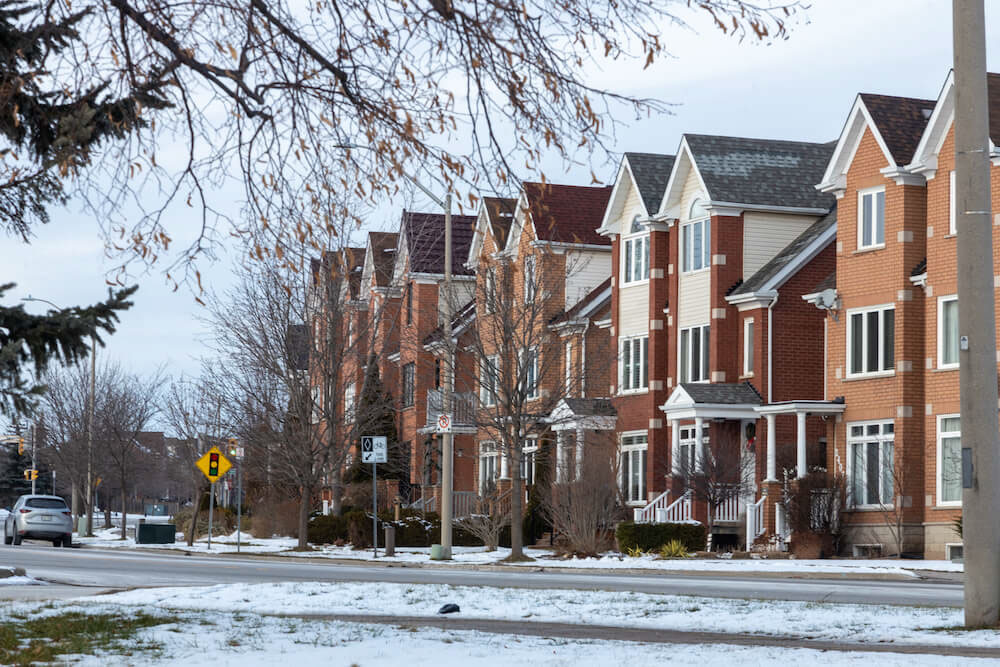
755, 521
677, 511
647, 514
728, 510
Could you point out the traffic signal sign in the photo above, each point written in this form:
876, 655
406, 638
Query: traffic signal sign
30, 474
233, 444
213, 464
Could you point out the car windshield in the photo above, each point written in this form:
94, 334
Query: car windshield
45, 503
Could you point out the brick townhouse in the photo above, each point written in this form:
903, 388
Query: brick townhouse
892, 325
540, 261
735, 237
418, 275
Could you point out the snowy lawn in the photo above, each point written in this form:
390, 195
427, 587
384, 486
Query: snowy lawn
848, 622
247, 640
542, 557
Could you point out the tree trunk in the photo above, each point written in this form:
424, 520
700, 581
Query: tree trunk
304, 505
75, 507
124, 514
337, 499
193, 526
516, 510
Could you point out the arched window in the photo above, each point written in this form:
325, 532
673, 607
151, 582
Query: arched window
696, 237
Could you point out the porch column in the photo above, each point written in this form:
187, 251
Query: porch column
772, 450
560, 456
675, 446
699, 444
579, 453
504, 465
800, 445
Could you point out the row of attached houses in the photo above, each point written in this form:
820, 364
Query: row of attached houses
788, 302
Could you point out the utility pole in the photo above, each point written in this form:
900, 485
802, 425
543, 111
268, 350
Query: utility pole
90, 437
977, 326
34, 457
447, 445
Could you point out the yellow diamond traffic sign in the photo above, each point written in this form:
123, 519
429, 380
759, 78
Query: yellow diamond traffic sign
213, 464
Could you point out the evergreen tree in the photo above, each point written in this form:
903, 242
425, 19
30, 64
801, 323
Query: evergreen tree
12, 482
28, 343
376, 416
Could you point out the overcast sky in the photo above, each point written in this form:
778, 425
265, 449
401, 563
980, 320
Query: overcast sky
798, 89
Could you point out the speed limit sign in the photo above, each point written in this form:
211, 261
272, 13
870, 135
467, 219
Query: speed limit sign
444, 424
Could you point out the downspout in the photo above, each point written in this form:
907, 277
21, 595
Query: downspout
583, 359
770, 347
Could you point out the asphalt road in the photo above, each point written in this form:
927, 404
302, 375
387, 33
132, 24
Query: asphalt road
126, 569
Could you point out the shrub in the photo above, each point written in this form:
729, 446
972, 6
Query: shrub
327, 529
674, 549
652, 536
276, 515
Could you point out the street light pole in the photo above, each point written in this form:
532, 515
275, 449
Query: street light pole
977, 327
447, 446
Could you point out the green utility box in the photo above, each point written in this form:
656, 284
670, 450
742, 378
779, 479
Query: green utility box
155, 533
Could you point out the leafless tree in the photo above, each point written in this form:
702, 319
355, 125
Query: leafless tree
491, 515
893, 505
583, 511
460, 89
815, 504
289, 352
720, 474
130, 405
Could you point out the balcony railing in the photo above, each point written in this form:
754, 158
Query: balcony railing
463, 410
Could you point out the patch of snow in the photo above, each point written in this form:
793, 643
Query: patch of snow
20, 581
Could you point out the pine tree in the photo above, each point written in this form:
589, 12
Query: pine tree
28, 343
12, 482
376, 416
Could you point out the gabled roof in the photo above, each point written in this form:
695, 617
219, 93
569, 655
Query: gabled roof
566, 213
762, 172
900, 121
355, 262
500, 214
830, 282
593, 304
382, 246
920, 268
650, 172
722, 393
461, 321
424, 234
792, 257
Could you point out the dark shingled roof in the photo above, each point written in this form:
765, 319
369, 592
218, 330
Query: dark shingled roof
464, 313
383, 245
900, 121
425, 241
651, 172
723, 393
765, 172
567, 213
355, 258
830, 282
920, 268
789, 253
591, 407
329, 266
593, 298
500, 213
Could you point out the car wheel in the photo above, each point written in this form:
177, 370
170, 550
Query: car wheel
57, 542
17, 539
68, 541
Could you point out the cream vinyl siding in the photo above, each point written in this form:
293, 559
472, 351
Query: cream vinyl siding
695, 302
633, 301
767, 234
585, 270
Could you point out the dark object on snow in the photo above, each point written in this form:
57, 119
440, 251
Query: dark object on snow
449, 608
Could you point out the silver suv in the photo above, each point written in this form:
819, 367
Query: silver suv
39, 517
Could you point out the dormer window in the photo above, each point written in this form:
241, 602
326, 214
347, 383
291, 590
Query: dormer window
635, 263
696, 238
871, 218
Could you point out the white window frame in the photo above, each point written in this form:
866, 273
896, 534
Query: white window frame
862, 195
881, 371
568, 367
684, 358
942, 301
530, 279
634, 444
941, 436
409, 388
487, 394
531, 373
488, 452
490, 289
688, 446
528, 461
633, 364
749, 343
703, 262
952, 206
883, 438
349, 400
635, 257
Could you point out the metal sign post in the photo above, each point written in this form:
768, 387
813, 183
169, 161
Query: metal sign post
213, 465
211, 506
374, 450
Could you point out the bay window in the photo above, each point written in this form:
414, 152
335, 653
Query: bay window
870, 452
634, 363
635, 264
871, 218
633, 467
693, 357
947, 334
949, 460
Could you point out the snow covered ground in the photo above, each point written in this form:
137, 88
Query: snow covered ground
854, 622
542, 557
